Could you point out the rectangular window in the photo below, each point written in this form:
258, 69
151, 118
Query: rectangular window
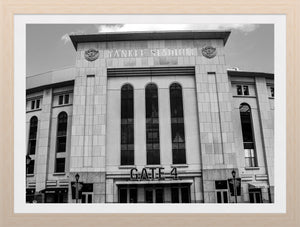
60, 100
178, 143
60, 165
32, 104
67, 99
127, 195
152, 137
246, 90
159, 195
255, 195
221, 184
123, 195
272, 92
249, 157
32, 145
87, 197
242, 90
61, 144
221, 191
37, 104
154, 195
180, 194
149, 196
185, 197
222, 196
239, 90
30, 167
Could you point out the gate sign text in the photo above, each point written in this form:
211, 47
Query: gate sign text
151, 173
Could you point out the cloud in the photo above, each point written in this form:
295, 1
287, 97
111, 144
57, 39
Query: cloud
245, 28
109, 27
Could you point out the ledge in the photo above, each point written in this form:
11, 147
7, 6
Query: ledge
154, 166
252, 168
30, 175
59, 174
62, 105
180, 166
244, 96
29, 111
127, 167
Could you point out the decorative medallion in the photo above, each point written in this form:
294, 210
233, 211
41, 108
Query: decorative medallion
91, 54
209, 51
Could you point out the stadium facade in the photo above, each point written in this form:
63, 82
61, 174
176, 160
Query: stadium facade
150, 117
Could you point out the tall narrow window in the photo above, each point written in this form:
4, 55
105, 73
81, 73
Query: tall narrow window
32, 135
248, 140
61, 141
152, 125
127, 125
61, 132
177, 124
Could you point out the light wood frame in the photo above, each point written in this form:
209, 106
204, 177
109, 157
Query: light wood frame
291, 8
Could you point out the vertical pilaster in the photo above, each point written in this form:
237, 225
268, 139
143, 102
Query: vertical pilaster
139, 128
215, 122
88, 143
43, 141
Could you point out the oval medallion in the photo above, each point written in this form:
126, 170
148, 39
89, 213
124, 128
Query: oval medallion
91, 54
209, 51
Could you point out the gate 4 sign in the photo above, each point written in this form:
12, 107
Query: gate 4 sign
237, 186
151, 173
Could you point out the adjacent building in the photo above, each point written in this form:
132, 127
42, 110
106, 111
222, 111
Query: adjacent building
150, 117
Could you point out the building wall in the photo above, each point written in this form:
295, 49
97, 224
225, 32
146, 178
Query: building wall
258, 174
212, 86
45, 154
214, 144
113, 154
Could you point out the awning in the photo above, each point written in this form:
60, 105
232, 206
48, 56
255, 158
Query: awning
154, 182
258, 185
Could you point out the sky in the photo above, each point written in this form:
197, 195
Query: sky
250, 47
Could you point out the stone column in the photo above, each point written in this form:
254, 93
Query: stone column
214, 101
88, 143
43, 140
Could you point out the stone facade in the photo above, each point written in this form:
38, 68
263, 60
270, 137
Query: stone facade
214, 142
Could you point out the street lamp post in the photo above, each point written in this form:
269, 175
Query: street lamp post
77, 193
234, 185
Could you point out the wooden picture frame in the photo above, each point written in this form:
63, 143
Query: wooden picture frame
290, 8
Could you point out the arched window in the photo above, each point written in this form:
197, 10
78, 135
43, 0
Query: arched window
62, 124
127, 125
152, 125
177, 124
248, 139
32, 135
61, 141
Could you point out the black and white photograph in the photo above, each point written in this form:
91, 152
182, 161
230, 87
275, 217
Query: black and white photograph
150, 113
